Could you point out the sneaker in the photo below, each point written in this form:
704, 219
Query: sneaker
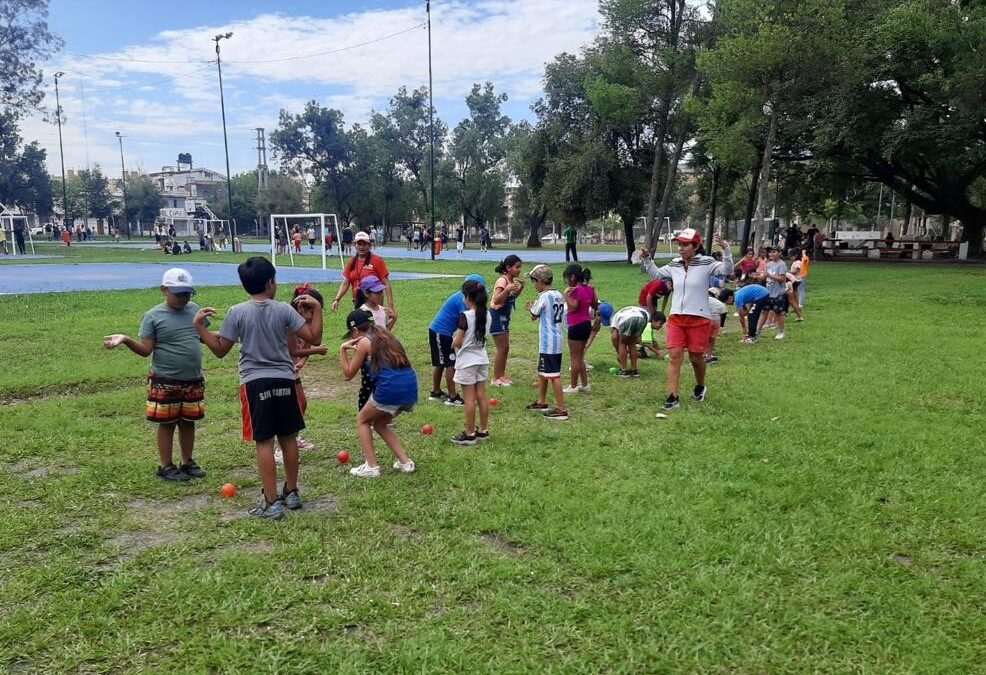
699, 395
192, 469
292, 500
437, 396
588, 366
624, 373
173, 473
456, 401
364, 470
278, 456
570, 390
271, 510
537, 406
671, 402
779, 336
556, 414
634, 373
464, 439
586, 389
305, 445
800, 319
404, 468
712, 358
748, 341
502, 382
481, 435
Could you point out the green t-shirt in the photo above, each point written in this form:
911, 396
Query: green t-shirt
177, 348
569, 235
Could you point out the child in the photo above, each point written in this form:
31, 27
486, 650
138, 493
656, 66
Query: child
580, 300
626, 329
440, 333
472, 363
719, 314
268, 397
395, 391
549, 310
302, 350
505, 291
793, 286
175, 387
372, 289
750, 300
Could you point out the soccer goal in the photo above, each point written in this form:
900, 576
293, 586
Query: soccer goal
287, 218
8, 221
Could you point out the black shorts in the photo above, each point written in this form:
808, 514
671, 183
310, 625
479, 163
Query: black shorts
270, 408
778, 305
580, 332
549, 366
442, 354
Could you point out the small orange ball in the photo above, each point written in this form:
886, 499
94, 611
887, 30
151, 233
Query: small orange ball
494, 403
228, 490
427, 430
343, 457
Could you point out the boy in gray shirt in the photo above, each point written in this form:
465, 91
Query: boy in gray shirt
777, 291
264, 329
175, 387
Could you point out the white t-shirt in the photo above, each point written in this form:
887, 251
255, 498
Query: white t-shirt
717, 306
379, 315
472, 353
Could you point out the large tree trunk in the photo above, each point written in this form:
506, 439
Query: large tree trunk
751, 204
628, 222
908, 209
713, 205
669, 182
534, 223
655, 176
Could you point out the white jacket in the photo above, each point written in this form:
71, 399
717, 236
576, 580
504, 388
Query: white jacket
691, 285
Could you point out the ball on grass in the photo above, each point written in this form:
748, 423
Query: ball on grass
427, 430
228, 490
614, 370
494, 403
343, 457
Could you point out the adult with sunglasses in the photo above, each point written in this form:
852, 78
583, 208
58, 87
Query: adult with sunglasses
690, 325
364, 264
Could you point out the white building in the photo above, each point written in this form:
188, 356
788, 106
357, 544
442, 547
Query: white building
184, 191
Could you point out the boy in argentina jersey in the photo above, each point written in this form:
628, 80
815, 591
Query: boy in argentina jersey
549, 310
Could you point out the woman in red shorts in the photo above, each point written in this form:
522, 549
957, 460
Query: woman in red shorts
690, 324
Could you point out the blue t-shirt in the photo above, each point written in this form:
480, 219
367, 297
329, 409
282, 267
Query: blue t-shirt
750, 294
447, 319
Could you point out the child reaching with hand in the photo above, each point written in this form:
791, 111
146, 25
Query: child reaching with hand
395, 389
472, 363
302, 350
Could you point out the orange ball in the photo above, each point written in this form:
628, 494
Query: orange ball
343, 457
427, 430
494, 403
228, 490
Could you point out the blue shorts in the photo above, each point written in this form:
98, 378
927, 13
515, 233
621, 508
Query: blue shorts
500, 323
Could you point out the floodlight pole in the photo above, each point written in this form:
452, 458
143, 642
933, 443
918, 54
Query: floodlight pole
123, 182
431, 127
222, 105
61, 152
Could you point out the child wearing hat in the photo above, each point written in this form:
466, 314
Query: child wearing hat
175, 386
549, 310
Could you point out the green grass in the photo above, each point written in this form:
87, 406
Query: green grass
823, 511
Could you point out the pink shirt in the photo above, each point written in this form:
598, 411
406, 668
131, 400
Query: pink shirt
586, 295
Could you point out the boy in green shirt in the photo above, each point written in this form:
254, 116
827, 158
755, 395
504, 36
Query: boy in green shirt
175, 386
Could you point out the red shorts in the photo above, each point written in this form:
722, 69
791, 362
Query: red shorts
689, 331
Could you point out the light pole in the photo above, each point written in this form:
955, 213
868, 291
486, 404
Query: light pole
61, 152
123, 182
222, 105
431, 130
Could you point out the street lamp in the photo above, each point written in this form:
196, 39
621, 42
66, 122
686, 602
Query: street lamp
61, 152
123, 182
431, 130
222, 104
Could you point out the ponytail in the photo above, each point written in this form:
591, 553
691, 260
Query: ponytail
586, 275
507, 263
476, 292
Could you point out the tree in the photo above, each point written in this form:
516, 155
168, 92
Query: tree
144, 202
88, 194
283, 194
24, 179
527, 157
24, 43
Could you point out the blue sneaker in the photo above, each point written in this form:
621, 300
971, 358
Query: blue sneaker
292, 500
271, 510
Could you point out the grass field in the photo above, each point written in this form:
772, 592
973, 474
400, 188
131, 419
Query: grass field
823, 511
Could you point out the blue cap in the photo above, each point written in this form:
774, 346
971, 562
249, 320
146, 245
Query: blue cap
605, 312
477, 277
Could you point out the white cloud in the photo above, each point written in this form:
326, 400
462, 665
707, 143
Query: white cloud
163, 93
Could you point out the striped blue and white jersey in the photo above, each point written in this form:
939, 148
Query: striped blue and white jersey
550, 307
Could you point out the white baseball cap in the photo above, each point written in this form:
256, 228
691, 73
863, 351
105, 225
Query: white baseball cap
361, 236
178, 280
689, 236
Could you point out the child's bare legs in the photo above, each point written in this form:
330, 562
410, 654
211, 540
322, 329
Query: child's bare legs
621, 350
631, 348
698, 365
186, 439
543, 390
674, 369
502, 342
559, 394
575, 349
389, 436
712, 347
469, 394
267, 469
792, 300
364, 429
450, 381
484, 407
165, 443
289, 447
436, 379
781, 319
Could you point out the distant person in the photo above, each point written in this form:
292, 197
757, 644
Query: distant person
3, 240
570, 234
268, 396
364, 264
19, 237
175, 385
810, 238
186, 248
347, 240
460, 241
296, 240
889, 239
310, 234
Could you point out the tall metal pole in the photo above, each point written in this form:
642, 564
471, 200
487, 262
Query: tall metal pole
61, 152
123, 182
222, 105
431, 125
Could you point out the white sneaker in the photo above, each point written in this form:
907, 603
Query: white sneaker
278, 456
305, 445
570, 390
779, 336
364, 470
404, 468
586, 389
588, 366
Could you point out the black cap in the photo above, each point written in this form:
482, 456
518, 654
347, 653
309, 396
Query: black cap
357, 318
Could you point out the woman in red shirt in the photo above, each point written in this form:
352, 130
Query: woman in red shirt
364, 264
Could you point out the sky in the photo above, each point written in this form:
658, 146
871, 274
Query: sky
148, 70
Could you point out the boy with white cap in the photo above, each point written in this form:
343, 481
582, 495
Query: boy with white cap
175, 386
